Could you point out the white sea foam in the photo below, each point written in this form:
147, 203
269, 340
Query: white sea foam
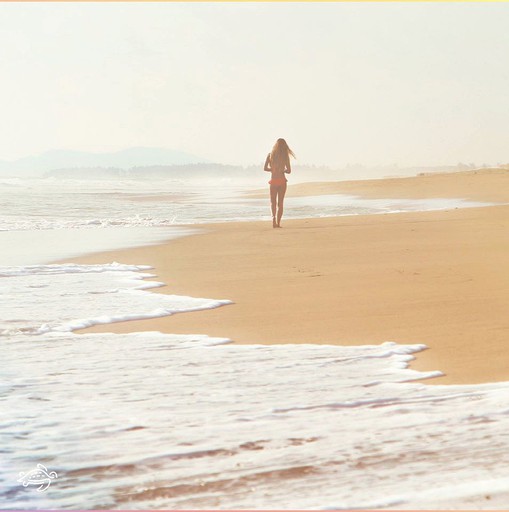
164, 421
41, 298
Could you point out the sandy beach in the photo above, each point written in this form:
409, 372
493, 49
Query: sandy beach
438, 278
477, 185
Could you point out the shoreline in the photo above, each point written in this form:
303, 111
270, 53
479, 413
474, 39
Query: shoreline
436, 278
487, 185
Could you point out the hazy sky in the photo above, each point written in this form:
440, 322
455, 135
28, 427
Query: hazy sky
343, 83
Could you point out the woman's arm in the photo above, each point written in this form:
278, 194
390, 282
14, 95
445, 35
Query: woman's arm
266, 167
288, 168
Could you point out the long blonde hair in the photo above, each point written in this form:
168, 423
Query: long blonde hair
280, 154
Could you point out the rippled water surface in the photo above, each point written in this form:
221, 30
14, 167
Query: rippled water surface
57, 204
161, 421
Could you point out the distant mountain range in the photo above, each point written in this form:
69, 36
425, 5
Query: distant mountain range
162, 163
38, 165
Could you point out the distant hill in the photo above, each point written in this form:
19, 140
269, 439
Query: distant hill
40, 164
161, 163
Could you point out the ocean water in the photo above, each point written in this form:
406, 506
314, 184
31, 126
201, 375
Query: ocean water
49, 204
151, 420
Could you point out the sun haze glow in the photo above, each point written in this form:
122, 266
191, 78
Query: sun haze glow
342, 82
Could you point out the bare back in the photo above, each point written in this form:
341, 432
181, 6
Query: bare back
278, 168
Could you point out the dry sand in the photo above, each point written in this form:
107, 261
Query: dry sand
438, 278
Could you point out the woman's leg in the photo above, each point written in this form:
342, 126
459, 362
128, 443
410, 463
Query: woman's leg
273, 199
280, 200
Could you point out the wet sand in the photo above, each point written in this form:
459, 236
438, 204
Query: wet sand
438, 278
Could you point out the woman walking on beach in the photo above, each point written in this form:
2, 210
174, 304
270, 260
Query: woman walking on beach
278, 163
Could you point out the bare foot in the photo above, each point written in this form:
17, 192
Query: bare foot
274, 224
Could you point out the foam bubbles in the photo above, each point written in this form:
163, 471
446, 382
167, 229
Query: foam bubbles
150, 420
45, 298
